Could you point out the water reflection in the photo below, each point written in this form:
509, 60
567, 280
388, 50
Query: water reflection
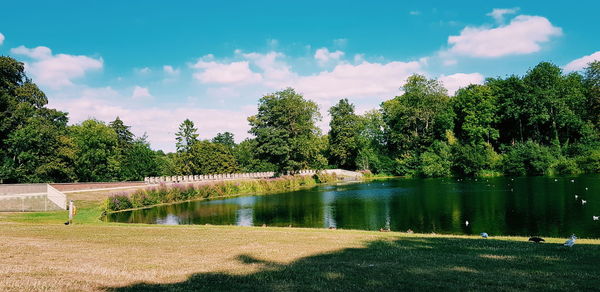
499, 206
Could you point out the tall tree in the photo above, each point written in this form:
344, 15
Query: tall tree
124, 135
225, 139
343, 135
33, 142
417, 117
96, 153
286, 131
475, 110
139, 161
187, 136
592, 86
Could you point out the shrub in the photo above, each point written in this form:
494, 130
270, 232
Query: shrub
565, 166
527, 158
118, 201
436, 162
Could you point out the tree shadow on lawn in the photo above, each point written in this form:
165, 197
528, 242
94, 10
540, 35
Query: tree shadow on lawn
413, 264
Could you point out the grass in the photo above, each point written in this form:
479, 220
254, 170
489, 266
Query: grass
40, 253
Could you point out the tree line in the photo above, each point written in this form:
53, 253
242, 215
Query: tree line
544, 122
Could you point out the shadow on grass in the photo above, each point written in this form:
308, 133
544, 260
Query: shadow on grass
413, 263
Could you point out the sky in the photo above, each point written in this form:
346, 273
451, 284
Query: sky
156, 63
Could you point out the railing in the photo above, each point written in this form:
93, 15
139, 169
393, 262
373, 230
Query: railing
215, 177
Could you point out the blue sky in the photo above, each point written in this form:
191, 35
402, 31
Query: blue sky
155, 63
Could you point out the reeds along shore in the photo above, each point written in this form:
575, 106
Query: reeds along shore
186, 192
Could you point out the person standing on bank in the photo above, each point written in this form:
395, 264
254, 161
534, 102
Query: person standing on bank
72, 212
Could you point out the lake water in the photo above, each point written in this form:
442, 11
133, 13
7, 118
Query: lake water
499, 206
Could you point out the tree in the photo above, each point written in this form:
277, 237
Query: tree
592, 87
225, 138
475, 110
96, 153
286, 131
124, 135
247, 159
418, 117
33, 142
343, 135
140, 161
186, 137
209, 158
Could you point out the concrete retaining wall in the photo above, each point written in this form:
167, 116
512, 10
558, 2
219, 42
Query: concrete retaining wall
216, 177
31, 197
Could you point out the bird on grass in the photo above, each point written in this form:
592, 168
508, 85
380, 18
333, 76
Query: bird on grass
384, 229
536, 239
410, 231
571, 241
67, 223
332, 227
484, 235
596, 218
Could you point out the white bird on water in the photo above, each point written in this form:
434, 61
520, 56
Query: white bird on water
596, 218
573, 180
583, 202
571, 241
467, 222
484, 235
576, 196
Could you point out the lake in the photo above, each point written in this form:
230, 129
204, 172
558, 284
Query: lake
523, 206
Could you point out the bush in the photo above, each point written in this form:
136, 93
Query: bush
474, 160
322, 177
436, 162
527, 158
564, 166
590, 162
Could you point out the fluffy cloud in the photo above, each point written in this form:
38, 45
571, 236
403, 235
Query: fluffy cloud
140, 93
358, 81
456, 81
1, 38
225, 73
56, 71
523, 35
498, 13
324, 56
582, 62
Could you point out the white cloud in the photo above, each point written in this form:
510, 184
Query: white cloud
523, 35
140, 93
324, 56
275, 71
415, 12
56, 71
456, 81
498, 13
1, 38
170, 70
225, 73
379, 80
582, 62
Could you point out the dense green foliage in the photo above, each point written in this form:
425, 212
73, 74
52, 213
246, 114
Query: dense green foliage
286, 131
543, 123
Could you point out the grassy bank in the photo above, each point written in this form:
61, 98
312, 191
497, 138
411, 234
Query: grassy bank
121, 257
185, 192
